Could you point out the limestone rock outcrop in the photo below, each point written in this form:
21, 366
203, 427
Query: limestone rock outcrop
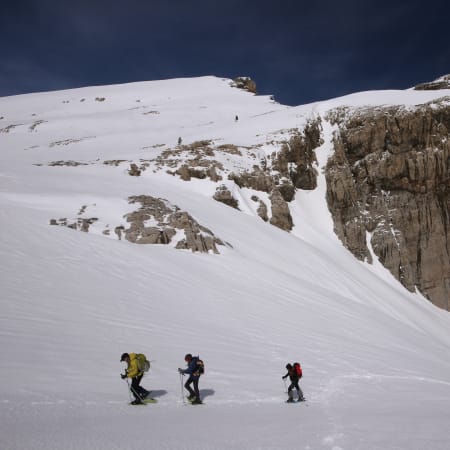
134, 171
156, 221
258, 179
166, 222
262, 211
195, 160
81, 224
245, 83
292, 167
440, 83
296, 159
223, 195
281, 215
388, 186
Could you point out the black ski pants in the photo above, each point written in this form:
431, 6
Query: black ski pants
138, 391
294, 385
193, 380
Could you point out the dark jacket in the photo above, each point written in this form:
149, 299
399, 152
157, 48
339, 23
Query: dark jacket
192, 368
292, 374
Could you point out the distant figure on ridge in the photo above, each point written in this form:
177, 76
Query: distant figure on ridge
137, 364
195, 369
294, 372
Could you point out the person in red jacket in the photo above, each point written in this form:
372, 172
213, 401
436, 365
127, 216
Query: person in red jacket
294, 377
136, 375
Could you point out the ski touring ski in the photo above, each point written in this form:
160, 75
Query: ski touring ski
297, 401
146, 401
192, 402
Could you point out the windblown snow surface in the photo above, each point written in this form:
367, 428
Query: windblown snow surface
375, 357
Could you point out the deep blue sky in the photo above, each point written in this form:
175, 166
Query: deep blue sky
299, 51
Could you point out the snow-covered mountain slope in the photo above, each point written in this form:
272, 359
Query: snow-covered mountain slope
375, 357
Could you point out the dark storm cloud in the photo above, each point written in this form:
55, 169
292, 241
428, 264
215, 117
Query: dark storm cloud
299, 51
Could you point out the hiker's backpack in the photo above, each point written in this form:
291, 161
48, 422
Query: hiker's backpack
143, 363
298, 369
200, 366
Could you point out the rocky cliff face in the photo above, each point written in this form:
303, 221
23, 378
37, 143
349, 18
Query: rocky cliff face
290, 168
388, 186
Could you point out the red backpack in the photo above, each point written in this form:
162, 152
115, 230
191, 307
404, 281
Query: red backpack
298, 369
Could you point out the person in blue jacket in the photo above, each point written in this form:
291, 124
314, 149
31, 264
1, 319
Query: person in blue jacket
194, 370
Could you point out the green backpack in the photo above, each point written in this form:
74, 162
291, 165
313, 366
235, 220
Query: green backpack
143, 363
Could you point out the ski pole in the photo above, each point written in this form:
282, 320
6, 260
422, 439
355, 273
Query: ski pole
285, 387
181, 386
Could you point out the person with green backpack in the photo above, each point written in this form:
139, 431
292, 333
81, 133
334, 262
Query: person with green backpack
137, 364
